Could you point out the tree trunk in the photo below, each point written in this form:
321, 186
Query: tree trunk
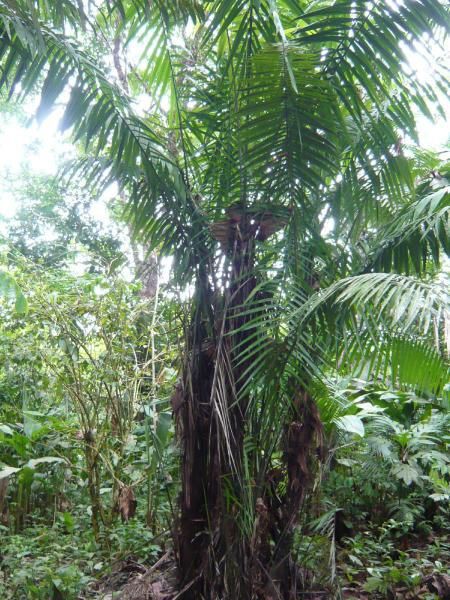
91, 457
4, 510
211, 412
217, 559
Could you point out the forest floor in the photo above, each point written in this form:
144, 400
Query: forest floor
49, 563
411, 568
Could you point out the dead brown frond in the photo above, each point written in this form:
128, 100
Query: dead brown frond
253, 223
127, 503
303, 444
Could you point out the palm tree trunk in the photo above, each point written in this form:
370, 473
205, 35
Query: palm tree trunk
217, 559
212, 448
200, 472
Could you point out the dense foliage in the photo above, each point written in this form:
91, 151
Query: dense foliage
267, 416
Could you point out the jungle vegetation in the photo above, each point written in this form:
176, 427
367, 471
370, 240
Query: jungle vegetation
245, 394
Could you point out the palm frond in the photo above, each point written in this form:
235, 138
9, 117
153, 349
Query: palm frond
141, 13
417, 236
402, 362
125, 148
398, 298
361, 50
60, 14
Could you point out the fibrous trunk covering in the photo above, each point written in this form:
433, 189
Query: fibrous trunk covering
217, 560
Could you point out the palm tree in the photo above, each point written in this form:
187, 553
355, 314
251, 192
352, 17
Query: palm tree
271, 166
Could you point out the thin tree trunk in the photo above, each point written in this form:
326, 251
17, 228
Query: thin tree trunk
4, 511
93, 487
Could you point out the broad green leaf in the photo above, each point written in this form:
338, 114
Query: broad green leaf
7, 471
406, 472
351, 424
11, 290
